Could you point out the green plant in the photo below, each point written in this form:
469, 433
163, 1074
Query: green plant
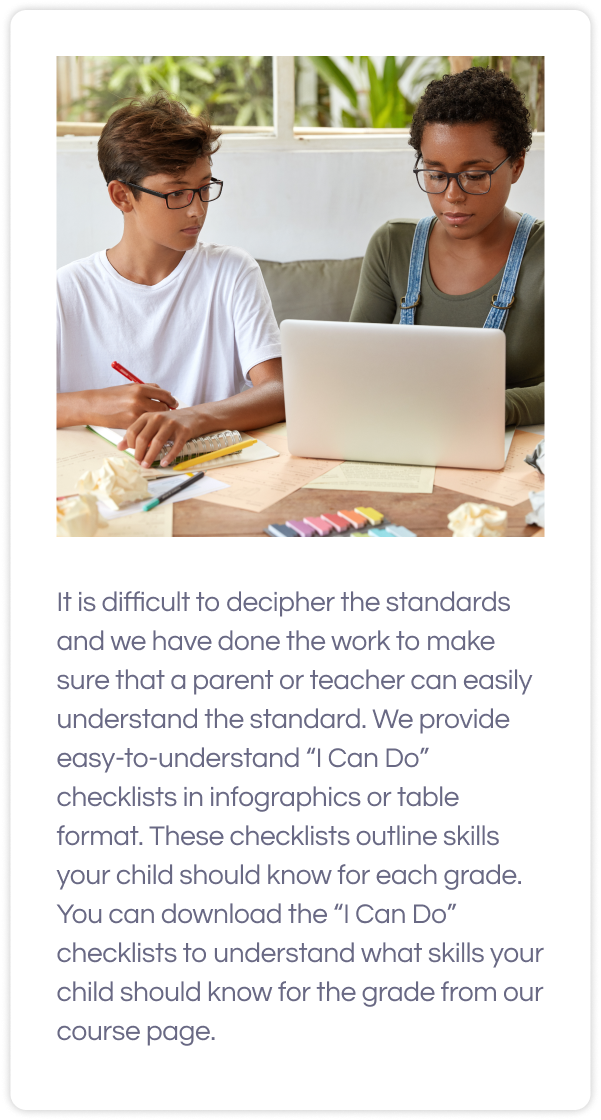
382, 105
388, 99
528, 73
425, 69
234, 90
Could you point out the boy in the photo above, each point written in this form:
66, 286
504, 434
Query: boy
195, 316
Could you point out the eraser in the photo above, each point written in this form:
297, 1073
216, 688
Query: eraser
340, 524
357, 520
373, 515
280, 531
320, 524
301, 528
399, 531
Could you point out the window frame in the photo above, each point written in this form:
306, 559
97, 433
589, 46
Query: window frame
283, 136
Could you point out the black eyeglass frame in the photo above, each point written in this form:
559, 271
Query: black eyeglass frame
195, 190
455, 175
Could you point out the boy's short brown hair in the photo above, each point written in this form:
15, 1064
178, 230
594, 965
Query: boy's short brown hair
153, 136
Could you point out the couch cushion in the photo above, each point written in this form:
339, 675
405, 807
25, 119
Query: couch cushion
312, 289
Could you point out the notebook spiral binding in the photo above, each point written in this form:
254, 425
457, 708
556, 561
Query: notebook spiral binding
202, 444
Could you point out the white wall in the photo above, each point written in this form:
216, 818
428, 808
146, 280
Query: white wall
280, 205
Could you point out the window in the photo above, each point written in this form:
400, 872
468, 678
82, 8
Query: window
319, 102
347, 91
237, 91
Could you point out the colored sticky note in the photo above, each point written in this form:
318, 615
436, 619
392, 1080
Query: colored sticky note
379, 533
280, 531
400, 531
366, 535
357, 520
322, 526
301, 528
339, 523
373, 515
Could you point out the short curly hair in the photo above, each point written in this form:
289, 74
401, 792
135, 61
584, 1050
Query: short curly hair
471, 97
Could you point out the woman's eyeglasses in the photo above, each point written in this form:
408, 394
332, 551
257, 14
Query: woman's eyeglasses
472, 182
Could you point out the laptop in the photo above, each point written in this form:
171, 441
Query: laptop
382, 393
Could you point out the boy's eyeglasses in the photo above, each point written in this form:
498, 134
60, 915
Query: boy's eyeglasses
472, 182
177, 200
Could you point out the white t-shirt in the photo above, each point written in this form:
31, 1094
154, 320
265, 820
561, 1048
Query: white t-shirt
197, 333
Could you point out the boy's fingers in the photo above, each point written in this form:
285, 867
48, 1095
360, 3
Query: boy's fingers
179, 441
151, 434
131, 435
156, 435
157, 394
144, 442
148, 435
154, 449
134, 429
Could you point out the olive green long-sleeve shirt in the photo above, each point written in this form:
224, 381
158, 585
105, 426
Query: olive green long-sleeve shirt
383, 283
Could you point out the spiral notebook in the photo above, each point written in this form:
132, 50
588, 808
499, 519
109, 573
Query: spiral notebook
215, 441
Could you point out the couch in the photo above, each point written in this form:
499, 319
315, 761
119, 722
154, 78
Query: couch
312, 289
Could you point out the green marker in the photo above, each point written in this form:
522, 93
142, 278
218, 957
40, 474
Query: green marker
175, 490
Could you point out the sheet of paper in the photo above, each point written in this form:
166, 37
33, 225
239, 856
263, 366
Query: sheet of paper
157, 522
389, 478
254, 454
540, 428
509, 486
255, 486
206, 485
78, 450
275, 429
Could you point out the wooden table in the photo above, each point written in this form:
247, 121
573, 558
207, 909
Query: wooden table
425, 514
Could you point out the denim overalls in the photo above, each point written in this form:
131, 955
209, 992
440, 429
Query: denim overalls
501, 302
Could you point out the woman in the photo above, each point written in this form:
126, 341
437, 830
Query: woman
471, 133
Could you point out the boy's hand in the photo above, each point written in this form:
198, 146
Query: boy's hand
150, 432
116, 407
254, 408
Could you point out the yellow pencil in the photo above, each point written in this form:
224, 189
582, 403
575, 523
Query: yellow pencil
214, 454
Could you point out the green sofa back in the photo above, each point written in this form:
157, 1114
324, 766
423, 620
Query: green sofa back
312, 289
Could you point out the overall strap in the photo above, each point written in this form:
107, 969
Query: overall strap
416, 264
502, 301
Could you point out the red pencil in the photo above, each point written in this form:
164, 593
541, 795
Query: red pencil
126, 373
130, 376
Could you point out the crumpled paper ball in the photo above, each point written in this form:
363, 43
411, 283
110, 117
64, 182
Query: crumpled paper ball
474, 520
118, 481
537, 458
537, 501
78, 516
